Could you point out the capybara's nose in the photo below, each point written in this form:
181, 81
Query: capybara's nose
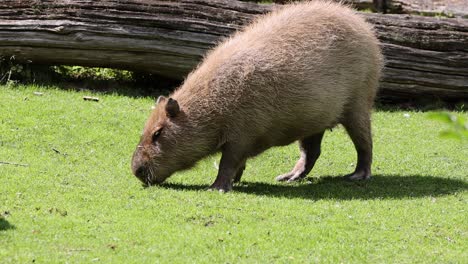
141, 173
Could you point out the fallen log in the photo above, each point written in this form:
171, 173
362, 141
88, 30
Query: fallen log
456, 8
425, 56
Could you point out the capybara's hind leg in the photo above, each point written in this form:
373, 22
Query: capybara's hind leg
358, 126
310, 151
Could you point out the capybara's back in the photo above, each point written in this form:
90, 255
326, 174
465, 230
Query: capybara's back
289, 76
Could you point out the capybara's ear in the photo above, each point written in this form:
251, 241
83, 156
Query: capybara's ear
160, 99
172, 108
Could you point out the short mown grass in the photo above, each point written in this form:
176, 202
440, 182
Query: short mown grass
71, 196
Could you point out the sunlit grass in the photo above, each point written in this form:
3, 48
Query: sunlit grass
72, 197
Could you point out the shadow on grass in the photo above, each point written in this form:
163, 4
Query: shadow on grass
379, 187
5, 225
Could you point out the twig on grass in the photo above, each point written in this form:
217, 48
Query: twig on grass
90, 98
58, 152
14, 164
79, 249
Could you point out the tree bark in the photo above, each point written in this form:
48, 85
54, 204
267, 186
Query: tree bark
457, 8
425, 56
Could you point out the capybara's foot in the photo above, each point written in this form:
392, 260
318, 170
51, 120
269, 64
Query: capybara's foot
291, 176
358, 176
221, 187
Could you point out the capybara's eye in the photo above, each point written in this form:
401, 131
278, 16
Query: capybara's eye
156, 135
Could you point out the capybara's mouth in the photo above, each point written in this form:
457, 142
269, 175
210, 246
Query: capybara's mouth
146, 176
153, 181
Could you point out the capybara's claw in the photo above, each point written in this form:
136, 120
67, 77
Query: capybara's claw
222, 188
296, 177
290, 177
284, 177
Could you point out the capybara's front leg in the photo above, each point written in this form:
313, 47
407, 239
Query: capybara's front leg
239, 173
229, 166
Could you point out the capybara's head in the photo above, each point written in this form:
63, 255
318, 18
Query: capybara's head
158, 155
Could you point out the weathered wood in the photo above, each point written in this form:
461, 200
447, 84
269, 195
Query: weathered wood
164, 37
425, 56
431, 7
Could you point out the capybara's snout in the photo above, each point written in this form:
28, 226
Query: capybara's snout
143, 169
141, 173
139, 168
145, 175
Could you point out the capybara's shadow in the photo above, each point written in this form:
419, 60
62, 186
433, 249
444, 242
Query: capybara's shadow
5, 225
335, 187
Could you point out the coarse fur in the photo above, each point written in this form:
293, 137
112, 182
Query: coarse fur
288, 76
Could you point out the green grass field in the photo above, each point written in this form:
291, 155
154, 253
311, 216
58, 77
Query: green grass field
75, 199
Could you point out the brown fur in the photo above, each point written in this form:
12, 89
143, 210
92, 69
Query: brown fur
288, 76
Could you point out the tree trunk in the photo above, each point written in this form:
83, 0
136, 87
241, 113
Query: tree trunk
425, 56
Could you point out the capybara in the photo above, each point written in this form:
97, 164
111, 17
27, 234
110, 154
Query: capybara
290, 75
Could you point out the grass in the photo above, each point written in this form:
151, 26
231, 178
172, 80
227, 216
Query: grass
76, 200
